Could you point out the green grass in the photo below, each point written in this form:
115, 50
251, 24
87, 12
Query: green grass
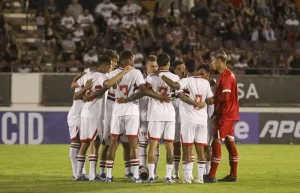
46, 169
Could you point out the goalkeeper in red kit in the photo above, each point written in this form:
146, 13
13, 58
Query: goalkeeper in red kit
225, 115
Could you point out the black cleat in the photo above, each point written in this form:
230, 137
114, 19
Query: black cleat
228, 179
208, 179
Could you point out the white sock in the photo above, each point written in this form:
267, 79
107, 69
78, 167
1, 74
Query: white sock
127, 167
192, 166
157, 153
135, 167
207, 167
93, 158
102, 166
74, 149
176, 162
169, 169
151, 170
201, 169
80, 165
143, 153
190, 170
185, 170
109, 167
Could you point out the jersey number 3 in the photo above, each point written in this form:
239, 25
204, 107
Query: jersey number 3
198, 99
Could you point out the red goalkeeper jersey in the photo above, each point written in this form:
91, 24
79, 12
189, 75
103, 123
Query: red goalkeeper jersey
227, 109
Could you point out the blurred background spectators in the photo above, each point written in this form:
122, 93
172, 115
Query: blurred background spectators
260, 36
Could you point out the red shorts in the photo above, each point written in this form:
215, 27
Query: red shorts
224, 128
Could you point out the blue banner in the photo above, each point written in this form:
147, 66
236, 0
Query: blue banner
52, 128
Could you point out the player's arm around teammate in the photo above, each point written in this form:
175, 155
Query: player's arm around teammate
88, 85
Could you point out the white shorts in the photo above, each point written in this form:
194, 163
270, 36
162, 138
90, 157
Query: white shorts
90, 129
73, 130
177, 132
159, 129
210, 128
193, 134
128, 125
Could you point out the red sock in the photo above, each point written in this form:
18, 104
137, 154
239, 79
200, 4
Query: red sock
228, 147
234, 160
216, 158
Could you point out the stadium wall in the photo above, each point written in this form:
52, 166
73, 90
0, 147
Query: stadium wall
34, 108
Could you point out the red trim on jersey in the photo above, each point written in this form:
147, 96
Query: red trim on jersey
115, 135
169, 140
201, 144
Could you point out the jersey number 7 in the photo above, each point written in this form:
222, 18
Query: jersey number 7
124, 89
198, 99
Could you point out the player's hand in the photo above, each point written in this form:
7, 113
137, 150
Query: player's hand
128, 68
121, 100
85, 98
166, 99
89, 84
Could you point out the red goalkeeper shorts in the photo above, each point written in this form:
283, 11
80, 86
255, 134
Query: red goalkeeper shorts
224, 128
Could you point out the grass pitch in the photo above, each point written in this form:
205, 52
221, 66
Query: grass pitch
46, 169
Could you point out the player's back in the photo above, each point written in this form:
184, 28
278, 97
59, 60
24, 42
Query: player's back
94, 108
126, 87
199, 90
157, 110
75, 110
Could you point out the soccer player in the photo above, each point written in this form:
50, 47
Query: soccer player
204, 72
225, 114
125, 119
161, 117
74, 126
180, 70
193, 118
93, 113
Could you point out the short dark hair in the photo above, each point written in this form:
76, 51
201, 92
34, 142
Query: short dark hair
177, 63
126, 55
103, 59
151, 58
190, 65
220, 54
206, 67
110, 53
163, 59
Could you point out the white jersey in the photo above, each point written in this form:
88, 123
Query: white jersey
211, 108
111, 98
144, 105
157, 110
200, 90
75, 111
125, 88
94, 108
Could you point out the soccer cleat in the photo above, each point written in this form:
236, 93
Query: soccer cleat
73, 178
150, 180
82, 178
228, 179
102, 177
208, 179
198, 181
175, 177
137, 180
186, 181
109, 179
129, 176
86, 177
169, 181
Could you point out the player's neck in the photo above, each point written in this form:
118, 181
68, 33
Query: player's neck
163, 68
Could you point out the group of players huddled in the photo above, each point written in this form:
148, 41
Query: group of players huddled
116, 103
